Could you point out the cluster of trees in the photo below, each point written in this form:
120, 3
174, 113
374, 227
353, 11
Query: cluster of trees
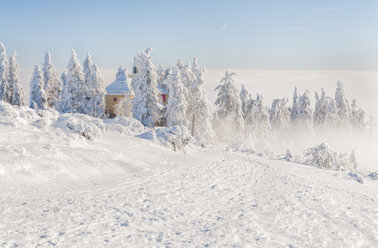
188, 106
239, 111
10, 88
78, 90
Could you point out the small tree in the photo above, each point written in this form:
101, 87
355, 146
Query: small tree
18, 96
38, 98
322, 156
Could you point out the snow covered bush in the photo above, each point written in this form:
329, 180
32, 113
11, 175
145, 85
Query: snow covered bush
88, 127
125, 125
322, 156
175, 137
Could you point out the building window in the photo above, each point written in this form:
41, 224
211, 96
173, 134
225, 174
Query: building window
163, 97
135, 70
115, 99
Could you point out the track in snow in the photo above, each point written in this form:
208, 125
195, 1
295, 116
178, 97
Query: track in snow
237, 200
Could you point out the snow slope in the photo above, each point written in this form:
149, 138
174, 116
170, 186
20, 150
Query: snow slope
58, 188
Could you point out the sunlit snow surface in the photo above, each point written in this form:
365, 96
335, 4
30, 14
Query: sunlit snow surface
60, 189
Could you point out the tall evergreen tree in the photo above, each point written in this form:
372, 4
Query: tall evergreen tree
342, 105
201, 128
294, 108
38, 98
73, 100
244, 99
5, 87
52, 84
229, 103
18, 96
257, 118
177, 105
96, 106
145, 107
279, 115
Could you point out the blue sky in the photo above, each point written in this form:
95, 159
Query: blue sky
268, 35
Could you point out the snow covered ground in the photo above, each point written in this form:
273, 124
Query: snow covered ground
58, 188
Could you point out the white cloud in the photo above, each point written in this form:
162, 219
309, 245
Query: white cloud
224, 26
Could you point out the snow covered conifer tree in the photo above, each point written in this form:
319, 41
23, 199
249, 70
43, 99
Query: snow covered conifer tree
320, 109
301, 112
331, 119
201, 127
96, 106
52, 85
188, 78
325, 115
279, 115
294, 109
257, 118
88, 88
18, 96
177, 105
304, 117
5, 87
357, 117
229, 104
342, 106
244, 97
145, 107
73, 98
38, 98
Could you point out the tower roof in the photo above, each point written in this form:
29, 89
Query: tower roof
120, 86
